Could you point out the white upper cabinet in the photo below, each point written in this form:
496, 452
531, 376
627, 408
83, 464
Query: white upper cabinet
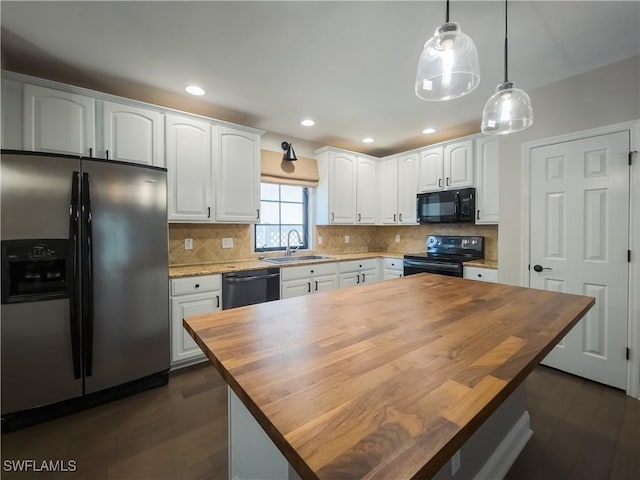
458, 164
189, 176
487, 179
366, 191
336, 192
398, 186
431, 169
237, 175
57, 121
132, 134
447, 166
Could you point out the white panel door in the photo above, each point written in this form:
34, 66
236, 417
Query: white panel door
388, 191
407, 188
431, 170
188, 169
342, 204
132, 134
58, 122
366, 191
237, 176
579, 242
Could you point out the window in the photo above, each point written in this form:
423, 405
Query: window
282, 208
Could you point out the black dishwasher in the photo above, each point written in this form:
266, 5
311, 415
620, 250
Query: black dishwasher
248, 287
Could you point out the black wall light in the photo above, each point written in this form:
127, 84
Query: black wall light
289, 154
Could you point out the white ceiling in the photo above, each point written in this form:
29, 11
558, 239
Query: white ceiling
348, 65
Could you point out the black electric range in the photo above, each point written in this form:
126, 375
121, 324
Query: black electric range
444, 255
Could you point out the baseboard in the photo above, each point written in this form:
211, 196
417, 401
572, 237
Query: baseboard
503, 457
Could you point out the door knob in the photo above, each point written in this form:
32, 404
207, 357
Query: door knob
539, 268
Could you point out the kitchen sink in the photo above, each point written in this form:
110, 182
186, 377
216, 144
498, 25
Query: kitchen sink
299, 258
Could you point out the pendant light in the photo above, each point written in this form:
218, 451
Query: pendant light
448, 67
509, 109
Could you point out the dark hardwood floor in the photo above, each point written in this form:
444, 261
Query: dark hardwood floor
582, 430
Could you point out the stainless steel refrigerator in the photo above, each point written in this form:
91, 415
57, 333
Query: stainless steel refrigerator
85, 311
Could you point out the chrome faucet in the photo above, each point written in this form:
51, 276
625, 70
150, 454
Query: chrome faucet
287, 252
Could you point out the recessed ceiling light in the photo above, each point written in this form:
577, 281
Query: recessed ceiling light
307, 122
429, 130
195, 90
367, 140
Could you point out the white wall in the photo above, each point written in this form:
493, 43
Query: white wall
601, 97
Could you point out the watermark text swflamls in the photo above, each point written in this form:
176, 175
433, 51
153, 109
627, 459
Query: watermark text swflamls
32, 465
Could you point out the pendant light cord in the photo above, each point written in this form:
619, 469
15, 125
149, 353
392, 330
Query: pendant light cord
506, 48
447, 12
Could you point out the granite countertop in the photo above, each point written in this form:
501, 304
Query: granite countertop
177, 271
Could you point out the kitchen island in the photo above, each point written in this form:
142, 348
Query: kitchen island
382, 381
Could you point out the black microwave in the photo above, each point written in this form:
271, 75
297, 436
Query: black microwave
449, 206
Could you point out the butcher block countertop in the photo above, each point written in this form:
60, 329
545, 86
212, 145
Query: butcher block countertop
387, 380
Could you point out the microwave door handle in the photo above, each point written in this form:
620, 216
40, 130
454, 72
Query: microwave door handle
456, 206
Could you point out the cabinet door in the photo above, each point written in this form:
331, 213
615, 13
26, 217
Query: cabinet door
324, 283
188, 169
132, 134
342, 184
369, 276
295, 288
237, 176
458, 164
487, 180
391, 273
349, 279
431, 177
407, 188
482, 274
182, 345
366, 191
388, 191
59, 122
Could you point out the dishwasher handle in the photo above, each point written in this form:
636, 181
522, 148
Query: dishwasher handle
249, 279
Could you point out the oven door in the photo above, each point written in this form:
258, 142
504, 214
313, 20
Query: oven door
411, 267
438, 207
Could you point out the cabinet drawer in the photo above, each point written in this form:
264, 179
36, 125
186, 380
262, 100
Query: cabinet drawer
483, 274
358, 265
204, 283
307, 271
392, 263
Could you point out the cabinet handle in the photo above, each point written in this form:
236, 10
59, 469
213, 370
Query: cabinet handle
308, 287
479, 275
90, 152
359, 217
439, 182
332, 216
217, 301
400, 217
258, 213
478, 215
363, 278
316, 285
394, 217
357, 278
106, 154
208, 212
448, 182
197, 285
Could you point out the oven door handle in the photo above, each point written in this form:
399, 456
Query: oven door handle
436, 265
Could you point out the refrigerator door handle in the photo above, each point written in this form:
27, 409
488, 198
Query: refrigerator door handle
87, 274
74, 232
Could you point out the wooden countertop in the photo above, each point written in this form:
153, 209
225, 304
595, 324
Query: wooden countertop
385, 380
177, 271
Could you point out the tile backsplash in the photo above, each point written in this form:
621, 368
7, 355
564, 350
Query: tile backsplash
207, 240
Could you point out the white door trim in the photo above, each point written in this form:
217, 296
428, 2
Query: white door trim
633, 366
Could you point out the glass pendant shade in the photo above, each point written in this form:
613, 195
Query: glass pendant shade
507, 111
448, 67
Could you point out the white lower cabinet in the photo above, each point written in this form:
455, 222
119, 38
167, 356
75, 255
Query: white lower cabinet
482, 274
392, 268
191, 296
358, 272
308, 279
